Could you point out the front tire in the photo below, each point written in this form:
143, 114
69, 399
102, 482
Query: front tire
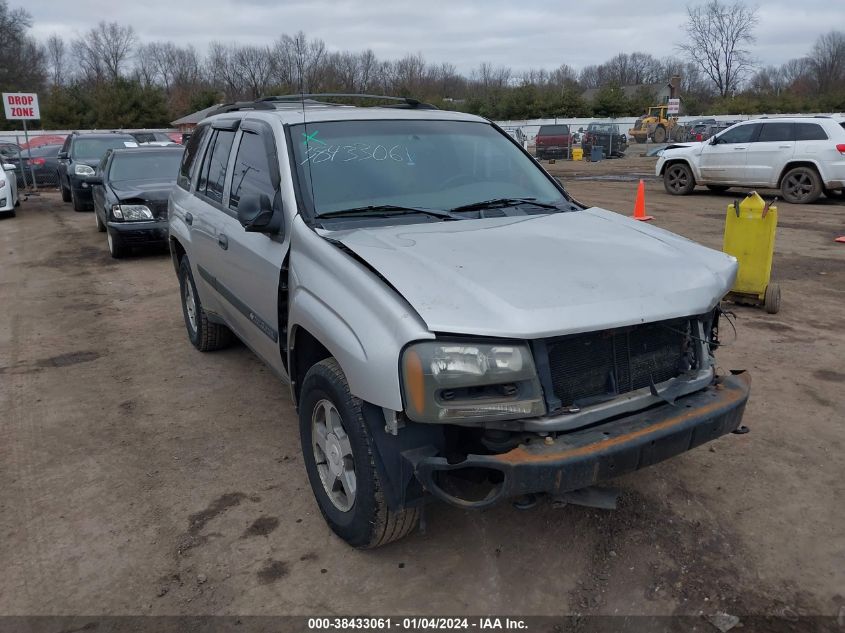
801, 185
678, 179
340, 462
78, 205
203, 334
117, 249
659, 135
66, 195
100, 226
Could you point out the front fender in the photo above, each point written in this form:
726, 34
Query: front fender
353, 313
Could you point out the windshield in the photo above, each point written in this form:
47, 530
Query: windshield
145, 165
94, 148
425, 164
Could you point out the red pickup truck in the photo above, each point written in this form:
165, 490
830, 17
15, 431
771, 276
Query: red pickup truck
553, 141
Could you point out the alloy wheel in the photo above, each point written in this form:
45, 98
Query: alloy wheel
333, 455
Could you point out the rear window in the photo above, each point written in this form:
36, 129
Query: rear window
190, 156
809, 132
94, 148
772, 132
553, 130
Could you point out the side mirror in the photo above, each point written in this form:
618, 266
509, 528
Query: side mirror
94, 180
714, 140
256, 215
62, 156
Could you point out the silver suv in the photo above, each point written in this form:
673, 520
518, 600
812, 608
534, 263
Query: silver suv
452, 324
802, 156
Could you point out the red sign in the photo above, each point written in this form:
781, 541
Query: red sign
21, 105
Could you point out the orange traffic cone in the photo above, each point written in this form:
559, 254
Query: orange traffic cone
639, 206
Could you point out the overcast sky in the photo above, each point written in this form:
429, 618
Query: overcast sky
524, 34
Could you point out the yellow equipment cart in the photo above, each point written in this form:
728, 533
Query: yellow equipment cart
750, 237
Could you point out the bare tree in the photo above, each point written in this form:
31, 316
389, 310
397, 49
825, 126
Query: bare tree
56, 59
717, 36
104, 51
21, 58
254, 65
827, 60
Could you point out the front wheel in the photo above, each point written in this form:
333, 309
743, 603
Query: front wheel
678, 179
117, 248
340, 462
659, 135
801, 185
100, 226
78, 205
66, 195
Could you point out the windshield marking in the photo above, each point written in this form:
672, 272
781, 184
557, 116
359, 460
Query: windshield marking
358, 152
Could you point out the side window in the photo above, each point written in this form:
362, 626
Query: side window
190, 156
739, 134
252, 170
810, 132
212, 172
771, 132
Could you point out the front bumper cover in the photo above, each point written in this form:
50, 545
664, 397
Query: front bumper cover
585, 457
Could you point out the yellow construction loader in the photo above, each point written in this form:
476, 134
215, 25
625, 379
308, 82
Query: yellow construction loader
655, 124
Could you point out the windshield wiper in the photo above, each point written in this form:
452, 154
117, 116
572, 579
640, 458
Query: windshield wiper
503, 202
385, 210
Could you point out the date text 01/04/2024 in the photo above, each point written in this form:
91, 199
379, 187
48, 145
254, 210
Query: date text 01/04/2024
416, 623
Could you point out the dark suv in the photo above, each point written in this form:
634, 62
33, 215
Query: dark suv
79, 156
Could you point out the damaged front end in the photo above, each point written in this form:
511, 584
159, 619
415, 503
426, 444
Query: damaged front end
616, 400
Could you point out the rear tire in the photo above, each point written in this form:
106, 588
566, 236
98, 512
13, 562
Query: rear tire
340, 462
678, 179
203, 334
801, 185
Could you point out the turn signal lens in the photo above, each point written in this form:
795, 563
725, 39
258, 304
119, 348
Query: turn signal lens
415, 381
841, 148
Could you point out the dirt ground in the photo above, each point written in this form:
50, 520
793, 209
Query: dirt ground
138, 476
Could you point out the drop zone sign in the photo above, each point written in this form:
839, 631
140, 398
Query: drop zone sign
21, 105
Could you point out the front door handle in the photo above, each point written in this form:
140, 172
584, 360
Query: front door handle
223, 241
189, 218
738, 148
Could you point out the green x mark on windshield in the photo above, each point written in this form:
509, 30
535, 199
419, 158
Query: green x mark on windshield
311, 138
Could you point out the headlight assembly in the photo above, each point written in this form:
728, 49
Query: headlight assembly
452, 381
83, 170
132, 212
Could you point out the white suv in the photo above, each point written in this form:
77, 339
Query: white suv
802, 156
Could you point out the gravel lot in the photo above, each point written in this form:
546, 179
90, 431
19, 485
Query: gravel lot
142, 477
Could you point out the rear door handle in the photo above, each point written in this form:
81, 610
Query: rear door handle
784, 146
223, 241
738, 148
189, 218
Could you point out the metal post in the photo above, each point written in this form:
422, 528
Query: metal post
29, 155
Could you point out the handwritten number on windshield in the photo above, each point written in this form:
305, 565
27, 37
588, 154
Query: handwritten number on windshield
357, 152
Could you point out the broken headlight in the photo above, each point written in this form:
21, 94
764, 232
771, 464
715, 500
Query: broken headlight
466, 380
132, 212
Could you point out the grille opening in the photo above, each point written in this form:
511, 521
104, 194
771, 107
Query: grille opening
594, 367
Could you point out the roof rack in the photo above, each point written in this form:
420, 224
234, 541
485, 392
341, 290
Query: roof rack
406, 102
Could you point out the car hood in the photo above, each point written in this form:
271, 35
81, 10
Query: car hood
538, 276
151, 191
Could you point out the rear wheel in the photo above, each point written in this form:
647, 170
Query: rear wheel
340, 462
659, 134
801, 185
718, 188
678, 179
203, 334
